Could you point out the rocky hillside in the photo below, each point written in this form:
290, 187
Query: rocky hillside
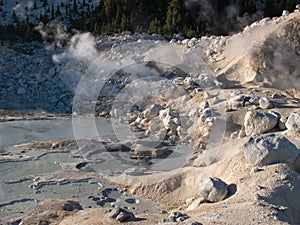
265, 54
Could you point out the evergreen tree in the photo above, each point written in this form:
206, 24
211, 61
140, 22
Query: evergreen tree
123, 23
118, 15
281, 6
57, 12
269, 7
34, 4
154, 26
1, 3
173, 18
247, 6
45, 3
15, 17
52, 11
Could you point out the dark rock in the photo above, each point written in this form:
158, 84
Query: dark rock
121, 215
117, 147
178, 216
70, 205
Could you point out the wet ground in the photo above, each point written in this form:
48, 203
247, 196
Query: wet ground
30, 175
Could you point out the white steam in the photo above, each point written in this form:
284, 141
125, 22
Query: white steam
82, 49
53, 33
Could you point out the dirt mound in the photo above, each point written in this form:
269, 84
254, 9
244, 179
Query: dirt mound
266, 54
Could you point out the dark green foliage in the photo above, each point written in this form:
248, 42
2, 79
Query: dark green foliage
15, 17
34, 5
45, 3
156, 16
57, 12
52, 11
247, 6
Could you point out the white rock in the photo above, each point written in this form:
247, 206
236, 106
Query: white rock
195, 204
267, 149
265, 103
213, 189
285, 13
259, 123
293, 122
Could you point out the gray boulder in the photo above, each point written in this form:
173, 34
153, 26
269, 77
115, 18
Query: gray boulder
153, 111
265, 103
178, 217
267, 149
213, 189
259, 123
237, 102
293, 122
121, 215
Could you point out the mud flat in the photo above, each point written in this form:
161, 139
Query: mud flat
46, 169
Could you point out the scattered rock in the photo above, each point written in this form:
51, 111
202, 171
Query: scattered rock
266, 149
178, 217
203, 105
265, 103
237, 102
72, 205
139, 151
285, 13
293, 122
259, 123
213, 189
153, 111
195, 204
117, 147
170, 119
121, 215
206, 113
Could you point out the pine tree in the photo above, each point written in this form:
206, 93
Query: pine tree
281, 6
123, 23
269, 7
118, 15
247, 6
75, 7
45, 3
34, 4
154, 26
291, 5
52, 11
173, 19
1, 3
15, 17
57, 12
139, 29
